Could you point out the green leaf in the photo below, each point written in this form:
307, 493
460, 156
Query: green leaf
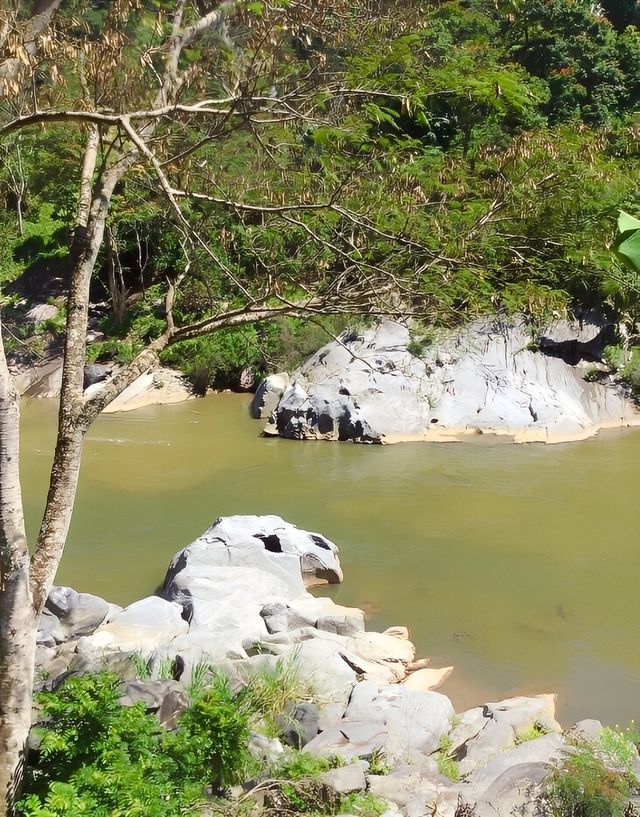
627, 222
627, 248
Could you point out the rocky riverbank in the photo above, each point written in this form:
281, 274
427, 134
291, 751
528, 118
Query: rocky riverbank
387, 384
236, 600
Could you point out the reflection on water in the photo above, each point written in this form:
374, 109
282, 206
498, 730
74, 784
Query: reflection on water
517, 564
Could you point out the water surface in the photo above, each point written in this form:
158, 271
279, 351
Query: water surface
517, 564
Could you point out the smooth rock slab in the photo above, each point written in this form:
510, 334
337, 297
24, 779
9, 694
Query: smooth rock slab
145, 627
346, 779
399, 722
426, 680
79, 613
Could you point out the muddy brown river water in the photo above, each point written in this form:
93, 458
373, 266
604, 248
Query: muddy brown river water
518, 564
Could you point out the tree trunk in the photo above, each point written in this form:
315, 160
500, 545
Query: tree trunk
17, 657
19, 623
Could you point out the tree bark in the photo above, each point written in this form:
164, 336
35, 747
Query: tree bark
19, 624
17, 658
65, 471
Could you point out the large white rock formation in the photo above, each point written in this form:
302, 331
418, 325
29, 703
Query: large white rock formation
490, 377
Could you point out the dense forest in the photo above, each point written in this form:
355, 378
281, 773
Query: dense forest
461, 157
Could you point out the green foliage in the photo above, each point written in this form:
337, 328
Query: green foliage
572, 46
365, 804
269, 692
216, 361
615, 356
213, 737
302, 765
420, 342
630, 372
378, 763
584, 787
494, 137
100, 758
595, 780
447, 764
535, 731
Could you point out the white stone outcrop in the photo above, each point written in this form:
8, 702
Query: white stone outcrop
491, 377
235, 600
158, 387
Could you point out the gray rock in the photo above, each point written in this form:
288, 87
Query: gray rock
342, 625
79, 613
244, 580
268, 395
144, 627
346, 779
167, 698
493, 738
95, 373
173, 705
396, 721
486, 377
41, 312
43, 380
588, 729
518, 791
405, 788
522, 713
150, 692
92, 662
246, 378
50, 630
268, 750
299, 724
264, 542
547, 751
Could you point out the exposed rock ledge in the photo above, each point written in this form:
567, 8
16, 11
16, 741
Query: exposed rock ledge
486, 378
161, 386
236, 598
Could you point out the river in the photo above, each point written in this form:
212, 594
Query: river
517, 564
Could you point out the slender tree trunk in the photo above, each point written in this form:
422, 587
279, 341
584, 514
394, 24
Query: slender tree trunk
65, 471
19, 622
17, 658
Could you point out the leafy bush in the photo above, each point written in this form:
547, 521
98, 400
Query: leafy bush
97, 757
217, 360
595, 780
630, 372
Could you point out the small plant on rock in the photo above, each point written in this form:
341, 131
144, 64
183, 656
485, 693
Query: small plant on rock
447, 764
596, 780
268, 694
534, 732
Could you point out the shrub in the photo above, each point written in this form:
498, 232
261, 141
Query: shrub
595, 780
630, 372
97, 757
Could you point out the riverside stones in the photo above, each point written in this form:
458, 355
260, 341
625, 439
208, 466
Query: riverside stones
489, 377
78, 613
144, 626
235, 601
397, 722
